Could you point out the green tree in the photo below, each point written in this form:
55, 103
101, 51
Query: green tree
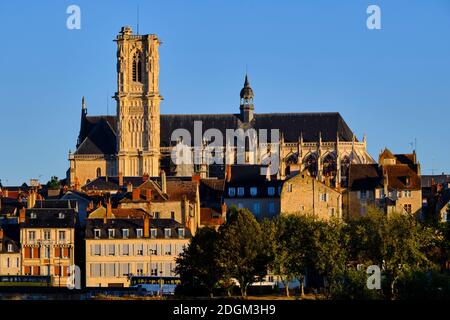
198, 264
328, 255
242, 255
53, 183
283, 257
397, 243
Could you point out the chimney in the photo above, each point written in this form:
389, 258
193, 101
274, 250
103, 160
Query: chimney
22, 215
31, 201
148, 194
146, 226
196, 178
228, 173
163, 182
136, 194
108, 209
129, 187
224, 209
120, 179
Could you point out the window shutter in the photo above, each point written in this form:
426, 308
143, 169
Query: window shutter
27, 252
35, 252
57, 271
359, 194
66, 252
92, 250
57, 252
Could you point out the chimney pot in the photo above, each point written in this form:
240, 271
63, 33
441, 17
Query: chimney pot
135, 196
129, 187
148, 194
22, 215
120, 179
108, 209
146, 226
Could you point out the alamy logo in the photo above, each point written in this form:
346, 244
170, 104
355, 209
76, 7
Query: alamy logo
374, 20
74, 280
374, 277
74, 20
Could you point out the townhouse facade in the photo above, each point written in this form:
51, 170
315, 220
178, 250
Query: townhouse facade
47, 237
392, 185
118, 248
10, 259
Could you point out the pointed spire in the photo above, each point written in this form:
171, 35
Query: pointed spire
246, 82
83, 105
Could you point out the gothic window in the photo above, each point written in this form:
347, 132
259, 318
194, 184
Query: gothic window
137, 68
329, 166
291, 163
345, 164
311, 164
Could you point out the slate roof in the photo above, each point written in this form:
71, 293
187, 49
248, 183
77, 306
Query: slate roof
55, 204
440, 178
98, 134
132, 224
11, 235
242, 174
365, 177
49, 218
291, 125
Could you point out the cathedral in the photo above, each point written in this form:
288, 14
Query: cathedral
137, 140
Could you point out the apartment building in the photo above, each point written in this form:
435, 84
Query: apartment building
119, 247
47, 237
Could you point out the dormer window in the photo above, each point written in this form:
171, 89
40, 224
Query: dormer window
139, 233
33, 215
125, 233
10, 247
153, 233
231, 192
407, 181
61, 215
240, 191
97, 233
180, 232
167, 232
111, 233
271, 191
253, 191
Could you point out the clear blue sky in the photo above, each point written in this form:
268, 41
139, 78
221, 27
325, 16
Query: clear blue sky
302, 56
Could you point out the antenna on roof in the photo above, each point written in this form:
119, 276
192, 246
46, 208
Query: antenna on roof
137, 19
107, 103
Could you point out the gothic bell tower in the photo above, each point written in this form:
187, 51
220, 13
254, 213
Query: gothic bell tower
138, 100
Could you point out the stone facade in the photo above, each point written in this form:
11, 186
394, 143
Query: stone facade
392, 185
304, 194
138, 140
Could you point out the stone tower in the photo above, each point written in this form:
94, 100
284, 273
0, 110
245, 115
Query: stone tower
138, 100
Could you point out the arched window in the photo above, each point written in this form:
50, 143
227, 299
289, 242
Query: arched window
311, 164
99, 172
137, 68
